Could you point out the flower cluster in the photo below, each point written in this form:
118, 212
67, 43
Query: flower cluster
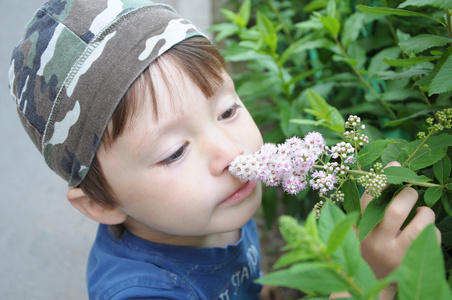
322, 181
287, 164
444, 121
293, 165
375, 181
342, 150
353, 126
444, 118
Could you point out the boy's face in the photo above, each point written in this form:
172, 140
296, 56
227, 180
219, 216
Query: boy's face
171, 176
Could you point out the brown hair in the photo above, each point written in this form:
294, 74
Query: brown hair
198, 59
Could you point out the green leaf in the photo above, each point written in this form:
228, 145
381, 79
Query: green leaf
423, 269
224, 30
245, 13
382, 283
349, 254
357, 54
323, 111
393, 11
376, 62
442, 169
390, 75
442, 82
331, 9
299, 254
267, 29
353, 26
409, 61
393, 151
318, 277
400, 95
246, 55
351, 195
229, 14
329, 216
317, 102
432, 195
444, 4
423, 42
312, 229
370, 152
304, 45
397, 175
292, 257
336, 120
364, 277
309, 122
340, 231
332, 25
426, 156
445, 226
257, 84
447, 204
375, 211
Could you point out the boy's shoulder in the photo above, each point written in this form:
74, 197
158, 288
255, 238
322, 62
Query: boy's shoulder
121, 269
129, 267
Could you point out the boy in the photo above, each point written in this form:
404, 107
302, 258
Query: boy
132, 105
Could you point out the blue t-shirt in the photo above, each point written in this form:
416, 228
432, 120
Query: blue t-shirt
133, 268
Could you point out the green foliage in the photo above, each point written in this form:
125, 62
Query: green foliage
303, 65
421, 268
332, 265
331, 262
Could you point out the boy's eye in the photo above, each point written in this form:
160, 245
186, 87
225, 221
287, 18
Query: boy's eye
176, 155
229, 113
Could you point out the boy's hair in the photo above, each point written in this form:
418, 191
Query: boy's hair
77, 60
199, 60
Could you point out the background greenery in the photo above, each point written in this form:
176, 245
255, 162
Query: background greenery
301, 66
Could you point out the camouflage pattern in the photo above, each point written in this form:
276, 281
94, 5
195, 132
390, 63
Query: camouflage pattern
76, 61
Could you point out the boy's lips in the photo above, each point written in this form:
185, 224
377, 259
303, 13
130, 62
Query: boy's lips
244, 191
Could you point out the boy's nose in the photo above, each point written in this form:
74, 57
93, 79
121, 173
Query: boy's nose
223, 148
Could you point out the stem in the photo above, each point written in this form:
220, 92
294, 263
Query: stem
362, 173
424, 96
366, 83
347, 278
426, 184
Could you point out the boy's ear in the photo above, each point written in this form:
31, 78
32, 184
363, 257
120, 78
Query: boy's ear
108, 215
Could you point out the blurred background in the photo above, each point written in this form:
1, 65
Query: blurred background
44, 241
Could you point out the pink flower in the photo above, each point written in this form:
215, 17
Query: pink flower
315, 142
322, 181
294, 184
287, 164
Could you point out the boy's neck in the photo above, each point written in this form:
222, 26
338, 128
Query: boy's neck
213, 240
206, 241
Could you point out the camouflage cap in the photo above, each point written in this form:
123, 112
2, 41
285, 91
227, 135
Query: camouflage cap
75, 63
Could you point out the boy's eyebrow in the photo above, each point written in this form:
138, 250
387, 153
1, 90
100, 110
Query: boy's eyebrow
150, 139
